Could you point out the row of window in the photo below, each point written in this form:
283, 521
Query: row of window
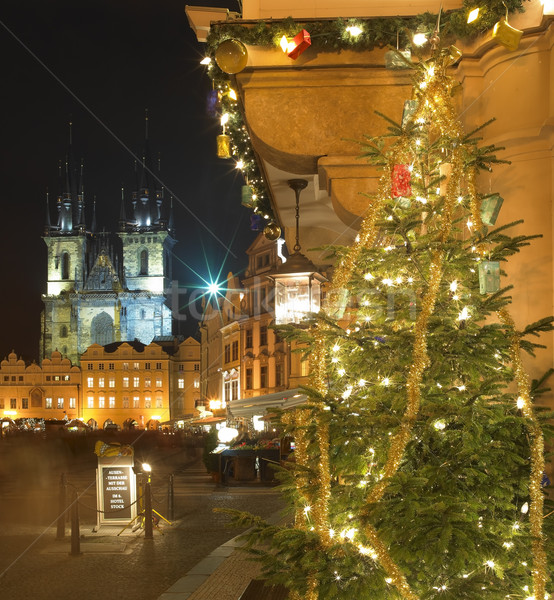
101, 382
136, 382
48, 403
231, 351
249, 337
126, 402
48, 378
137, 366
264, 379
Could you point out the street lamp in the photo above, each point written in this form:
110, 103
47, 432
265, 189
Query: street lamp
297, 281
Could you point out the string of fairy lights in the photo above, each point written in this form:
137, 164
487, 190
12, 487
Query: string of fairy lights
227, 55
434, 106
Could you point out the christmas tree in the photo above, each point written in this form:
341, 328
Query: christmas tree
419, 468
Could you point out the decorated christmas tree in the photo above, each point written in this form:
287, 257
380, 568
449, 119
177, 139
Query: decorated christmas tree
419, 463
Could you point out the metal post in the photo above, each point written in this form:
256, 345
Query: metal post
75, 535
62, 508
171, 499
148, 532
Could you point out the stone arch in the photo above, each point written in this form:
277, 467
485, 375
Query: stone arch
102, 329
130, 424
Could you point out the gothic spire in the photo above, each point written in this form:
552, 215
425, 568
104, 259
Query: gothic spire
47, 224
93, 222
122, 215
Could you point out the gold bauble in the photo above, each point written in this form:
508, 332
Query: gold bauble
272, 231
231, 56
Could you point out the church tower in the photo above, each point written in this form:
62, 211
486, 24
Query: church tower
103, 288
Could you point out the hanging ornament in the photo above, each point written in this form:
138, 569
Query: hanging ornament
223, 146
247, 196
401, 178
294, 48
231, 56
489, 276
545, 481
272, 231
398, 59
453, 55
256, 222
506, 35
410, 107
490, 207
212, 102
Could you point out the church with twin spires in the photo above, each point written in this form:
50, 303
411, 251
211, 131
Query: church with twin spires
106, 287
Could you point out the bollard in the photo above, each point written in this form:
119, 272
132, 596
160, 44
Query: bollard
62, 508
75, 535
148, 531
171, 499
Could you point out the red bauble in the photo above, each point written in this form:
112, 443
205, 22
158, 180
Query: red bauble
401, 178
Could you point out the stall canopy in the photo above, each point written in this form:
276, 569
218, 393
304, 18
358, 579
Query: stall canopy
246, 408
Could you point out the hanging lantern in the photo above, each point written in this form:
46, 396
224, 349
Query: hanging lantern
489, 276
398, 59
256, 222
506, 35
272, 231
223, 146
490, 207
231, 56
247, 198
294, 48
410, 107
297, 281
401, 178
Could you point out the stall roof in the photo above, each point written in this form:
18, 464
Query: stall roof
248, 407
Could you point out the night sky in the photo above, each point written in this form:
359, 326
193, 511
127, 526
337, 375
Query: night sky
116, 58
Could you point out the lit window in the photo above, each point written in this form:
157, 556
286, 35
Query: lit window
197, 383
181, 384
101, 402
136, 382
159, 383
147, 382
111, 382
111, 401
90, 402
136, 366
60, 403
126, 382
48, 403
66, 377
159, 402
125, 366
56, 378
235, 389
147, 402
136, 402
101, 382
72, 403
304, 368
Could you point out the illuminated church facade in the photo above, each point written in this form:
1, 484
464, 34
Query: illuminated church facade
104, 287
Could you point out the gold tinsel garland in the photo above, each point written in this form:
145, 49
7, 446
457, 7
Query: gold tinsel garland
537, 460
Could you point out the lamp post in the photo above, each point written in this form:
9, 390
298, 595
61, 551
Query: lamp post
148, 530
297, 281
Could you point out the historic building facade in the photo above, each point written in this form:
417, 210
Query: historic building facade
243, 358
104, 288
125, 384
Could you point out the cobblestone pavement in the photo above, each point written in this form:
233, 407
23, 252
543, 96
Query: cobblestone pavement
34, 564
